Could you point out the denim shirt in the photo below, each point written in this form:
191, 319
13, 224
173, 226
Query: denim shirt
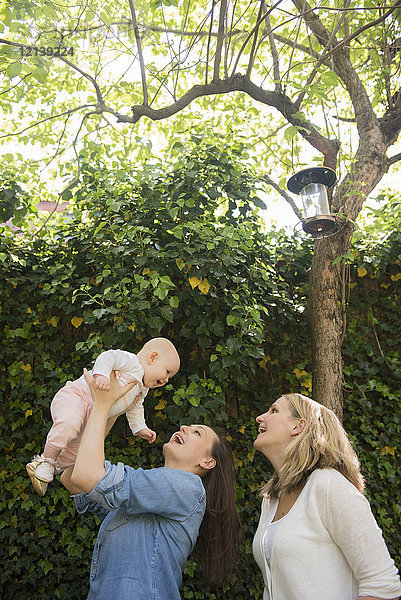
151, 523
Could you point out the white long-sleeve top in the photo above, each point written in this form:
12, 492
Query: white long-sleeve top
328, 546
129, 368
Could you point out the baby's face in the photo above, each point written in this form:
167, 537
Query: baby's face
159, 369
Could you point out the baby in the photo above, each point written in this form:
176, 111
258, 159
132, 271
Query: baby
152, 367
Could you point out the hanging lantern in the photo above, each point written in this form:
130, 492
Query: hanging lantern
311, 184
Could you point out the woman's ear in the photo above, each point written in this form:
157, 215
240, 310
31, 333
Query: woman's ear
299, 426
208, 463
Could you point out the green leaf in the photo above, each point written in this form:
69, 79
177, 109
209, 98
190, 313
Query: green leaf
13, 69
40, 74
258, 202
106, 18
166, 313
142, 304
290, 132
174, 301
232, 320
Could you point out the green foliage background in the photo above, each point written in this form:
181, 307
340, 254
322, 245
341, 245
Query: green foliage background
147, 253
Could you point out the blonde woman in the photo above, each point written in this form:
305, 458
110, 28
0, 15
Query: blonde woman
317, 538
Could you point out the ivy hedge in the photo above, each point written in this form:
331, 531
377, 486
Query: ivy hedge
179, 252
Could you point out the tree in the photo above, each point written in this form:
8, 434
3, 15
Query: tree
322, 74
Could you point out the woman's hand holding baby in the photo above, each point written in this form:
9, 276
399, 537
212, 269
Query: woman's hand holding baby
106, 394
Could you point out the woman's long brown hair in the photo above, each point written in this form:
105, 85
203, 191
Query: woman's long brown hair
217, 546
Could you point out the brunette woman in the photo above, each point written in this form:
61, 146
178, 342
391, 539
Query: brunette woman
153, 519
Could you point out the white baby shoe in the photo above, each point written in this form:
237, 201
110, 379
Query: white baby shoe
45, 469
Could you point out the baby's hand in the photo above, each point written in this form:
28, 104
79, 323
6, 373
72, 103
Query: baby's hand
147, 434
102, 382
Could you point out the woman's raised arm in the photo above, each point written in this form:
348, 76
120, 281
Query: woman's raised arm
89, 464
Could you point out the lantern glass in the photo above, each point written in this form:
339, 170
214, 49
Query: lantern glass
315, 200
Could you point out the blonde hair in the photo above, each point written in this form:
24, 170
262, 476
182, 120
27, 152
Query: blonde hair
322, 444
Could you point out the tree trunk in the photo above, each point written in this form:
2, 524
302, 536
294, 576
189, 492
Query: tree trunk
327, 309
326, 316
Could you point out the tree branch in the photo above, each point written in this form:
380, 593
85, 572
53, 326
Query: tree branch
16, 85
312, 75
208, 42
259, 20
58, 151
140, 55
68, 112
249, 35
390, 123
283, 194
220, 39
87, 76
329, 148
367, 122
241, 83
345, 119
273, 49
302, 47
74, 182
394, 159
177, 54
101, 106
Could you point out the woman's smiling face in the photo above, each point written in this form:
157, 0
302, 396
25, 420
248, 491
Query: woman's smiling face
275, 427
190, 448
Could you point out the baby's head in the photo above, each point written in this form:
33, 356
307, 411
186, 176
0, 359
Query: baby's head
160, 361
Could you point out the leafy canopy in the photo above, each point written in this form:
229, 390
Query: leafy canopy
284, 81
